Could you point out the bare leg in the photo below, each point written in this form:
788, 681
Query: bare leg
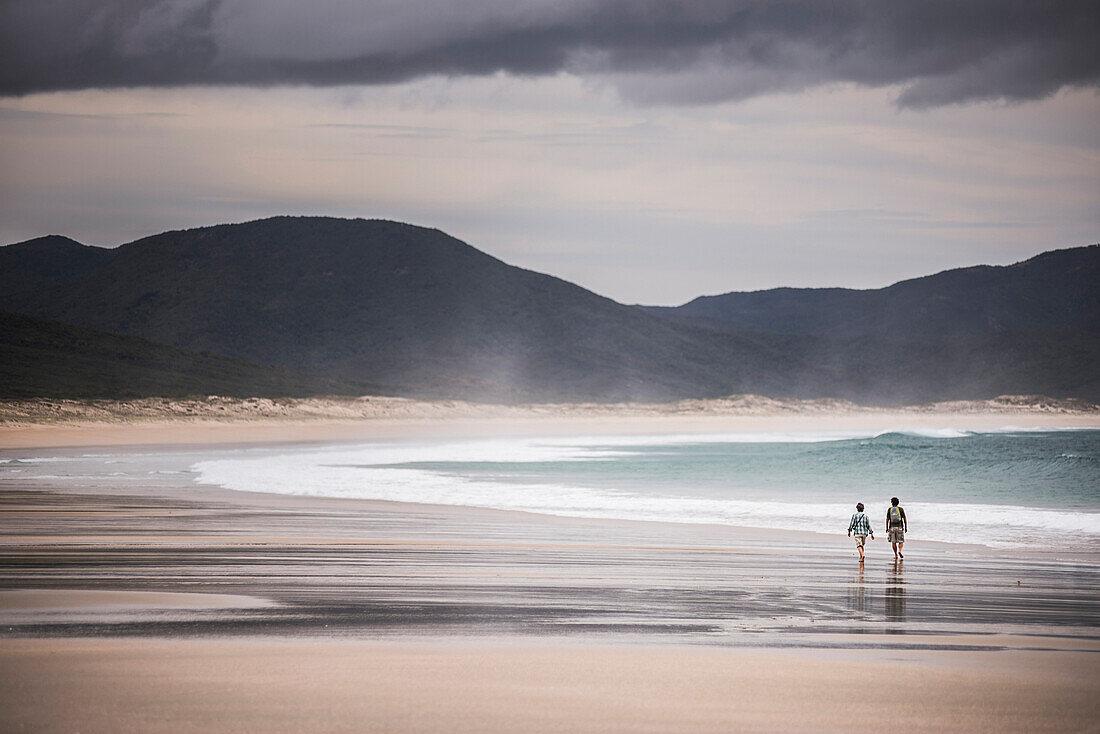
900, 546
895, 547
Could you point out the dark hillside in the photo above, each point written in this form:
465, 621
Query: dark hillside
399, 304
48, 261
379, 302
886, 371
40, 358
1054, 291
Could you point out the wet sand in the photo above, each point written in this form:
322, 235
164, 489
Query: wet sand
372, 616
45, 601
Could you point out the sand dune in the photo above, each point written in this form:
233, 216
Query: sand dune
374, 407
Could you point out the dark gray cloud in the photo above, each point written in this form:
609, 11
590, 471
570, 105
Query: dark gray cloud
672, 51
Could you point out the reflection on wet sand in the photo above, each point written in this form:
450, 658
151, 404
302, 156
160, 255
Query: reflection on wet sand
857, 593
895, 593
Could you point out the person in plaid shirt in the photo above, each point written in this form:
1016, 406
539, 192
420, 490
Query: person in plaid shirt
861, 526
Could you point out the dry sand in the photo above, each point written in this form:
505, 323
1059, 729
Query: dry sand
213, 420
275, 686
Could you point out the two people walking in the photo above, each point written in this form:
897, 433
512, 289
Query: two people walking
896, 527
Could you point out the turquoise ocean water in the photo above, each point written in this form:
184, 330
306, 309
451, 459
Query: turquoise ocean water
1005, 488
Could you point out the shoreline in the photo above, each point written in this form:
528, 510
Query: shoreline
140, 436
167, 607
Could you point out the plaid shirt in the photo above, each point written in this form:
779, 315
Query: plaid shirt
860, 525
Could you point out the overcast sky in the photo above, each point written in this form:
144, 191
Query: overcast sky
651, 151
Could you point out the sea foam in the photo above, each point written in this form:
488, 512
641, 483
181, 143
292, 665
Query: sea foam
441, 474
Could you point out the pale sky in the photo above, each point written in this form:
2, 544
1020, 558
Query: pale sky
650, 151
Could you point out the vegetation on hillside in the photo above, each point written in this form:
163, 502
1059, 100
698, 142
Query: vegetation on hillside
40, 358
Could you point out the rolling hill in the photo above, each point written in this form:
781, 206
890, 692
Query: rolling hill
31, 266
404, 306
424, 314
1054, 291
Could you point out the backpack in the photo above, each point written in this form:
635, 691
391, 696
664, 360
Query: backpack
894, 516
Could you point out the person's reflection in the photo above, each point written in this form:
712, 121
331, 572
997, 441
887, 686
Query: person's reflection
895, 593
857, 593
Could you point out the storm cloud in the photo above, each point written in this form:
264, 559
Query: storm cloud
938, 52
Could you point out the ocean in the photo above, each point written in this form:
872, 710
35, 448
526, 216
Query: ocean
1007, 488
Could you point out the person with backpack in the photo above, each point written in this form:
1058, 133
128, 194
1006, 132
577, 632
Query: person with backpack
896, 527
861, 526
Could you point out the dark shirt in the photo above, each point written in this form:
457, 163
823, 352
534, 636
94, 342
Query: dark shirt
896, 523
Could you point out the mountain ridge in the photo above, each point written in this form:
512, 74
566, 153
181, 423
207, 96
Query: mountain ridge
47, 261
994, 298
428, 315
397, 304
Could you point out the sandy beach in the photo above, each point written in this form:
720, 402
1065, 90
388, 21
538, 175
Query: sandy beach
356, 686
186, 608
213, 420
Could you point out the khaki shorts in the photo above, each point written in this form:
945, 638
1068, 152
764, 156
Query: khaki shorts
860, 540
896, 535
